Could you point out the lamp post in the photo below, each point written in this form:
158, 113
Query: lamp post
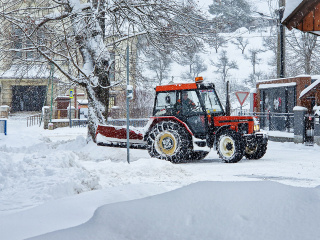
128, 97
51, 76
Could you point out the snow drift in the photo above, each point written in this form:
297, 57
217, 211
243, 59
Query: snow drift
208, 210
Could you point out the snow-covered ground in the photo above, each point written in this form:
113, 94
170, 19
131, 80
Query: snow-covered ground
52, 181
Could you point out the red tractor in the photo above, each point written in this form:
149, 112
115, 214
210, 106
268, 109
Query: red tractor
188, 120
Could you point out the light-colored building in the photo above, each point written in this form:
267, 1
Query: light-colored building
26, 86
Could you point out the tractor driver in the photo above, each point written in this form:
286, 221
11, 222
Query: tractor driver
185, 104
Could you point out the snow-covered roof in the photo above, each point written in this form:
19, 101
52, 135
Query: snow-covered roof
316, 110
300, 108
290, 7
277, 79
83, 101
277, 85
26, 71
295, 13
253, 90
311, 87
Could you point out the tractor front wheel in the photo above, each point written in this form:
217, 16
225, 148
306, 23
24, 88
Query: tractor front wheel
230, 147
256, 151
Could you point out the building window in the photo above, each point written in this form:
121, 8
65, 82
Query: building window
23, 47
17, 42
112, 101
112, 67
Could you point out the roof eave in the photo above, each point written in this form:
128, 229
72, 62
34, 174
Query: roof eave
297, 15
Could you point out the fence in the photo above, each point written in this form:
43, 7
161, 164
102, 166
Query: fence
135, 112
79, 122
115, 122
309, 121
276, 121
141, 122
33, 120
269, 120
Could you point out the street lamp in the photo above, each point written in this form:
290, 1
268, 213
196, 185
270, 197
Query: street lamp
129, 96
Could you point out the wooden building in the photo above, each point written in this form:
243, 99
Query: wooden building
303, 15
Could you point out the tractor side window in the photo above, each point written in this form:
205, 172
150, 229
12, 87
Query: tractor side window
165, 103
188, 103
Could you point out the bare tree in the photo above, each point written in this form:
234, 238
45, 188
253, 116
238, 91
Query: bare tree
159, 63
303, 49
198, 66
216, 41
75, 36
224, 65
270, 44
241, 43
189, 57
255, 60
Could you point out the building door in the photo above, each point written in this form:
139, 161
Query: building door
28, 98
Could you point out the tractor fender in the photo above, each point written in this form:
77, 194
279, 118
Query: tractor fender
222, 129
154, 120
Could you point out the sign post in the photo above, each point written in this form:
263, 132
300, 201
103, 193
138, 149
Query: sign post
241, 96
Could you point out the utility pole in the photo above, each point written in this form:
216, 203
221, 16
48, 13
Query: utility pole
281, 42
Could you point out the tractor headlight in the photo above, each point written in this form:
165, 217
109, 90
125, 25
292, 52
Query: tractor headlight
256, 126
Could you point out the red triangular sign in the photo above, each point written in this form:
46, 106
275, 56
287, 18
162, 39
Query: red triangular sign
242, 96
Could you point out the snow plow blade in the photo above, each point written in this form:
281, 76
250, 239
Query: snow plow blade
113, 136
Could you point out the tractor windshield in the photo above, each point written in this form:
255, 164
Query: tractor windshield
211, 101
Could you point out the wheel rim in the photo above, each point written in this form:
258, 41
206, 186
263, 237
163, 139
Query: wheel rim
166, 143
251, 151
227, 146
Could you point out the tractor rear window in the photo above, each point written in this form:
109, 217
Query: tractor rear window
211, 101
165, 103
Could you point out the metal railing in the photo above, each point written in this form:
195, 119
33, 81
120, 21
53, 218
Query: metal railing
33, 120
79, 122
140, 122
115, 122
271, 121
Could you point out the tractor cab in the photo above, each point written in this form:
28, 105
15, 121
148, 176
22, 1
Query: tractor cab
193, 104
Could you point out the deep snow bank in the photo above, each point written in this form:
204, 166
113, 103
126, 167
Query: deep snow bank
33, 174
208, 210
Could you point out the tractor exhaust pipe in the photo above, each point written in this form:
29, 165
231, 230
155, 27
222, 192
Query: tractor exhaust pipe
227, 101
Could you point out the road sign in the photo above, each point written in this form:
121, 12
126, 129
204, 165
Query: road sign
242, 96
71, 93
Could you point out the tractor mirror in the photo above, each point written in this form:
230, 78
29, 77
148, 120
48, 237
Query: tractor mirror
168, 100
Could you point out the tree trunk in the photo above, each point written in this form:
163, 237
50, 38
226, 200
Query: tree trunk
96, 59
98, 102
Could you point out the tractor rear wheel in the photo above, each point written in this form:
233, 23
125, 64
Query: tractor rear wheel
170, 141
230, 146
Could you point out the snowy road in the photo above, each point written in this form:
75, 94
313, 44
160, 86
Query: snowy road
288, 163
